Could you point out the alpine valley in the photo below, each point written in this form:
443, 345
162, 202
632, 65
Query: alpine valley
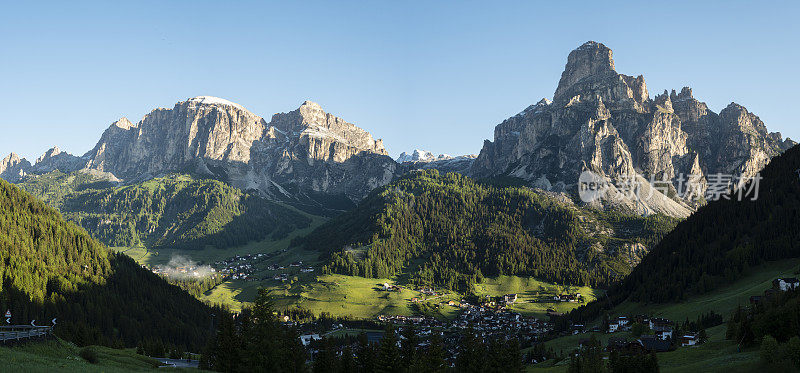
304, 219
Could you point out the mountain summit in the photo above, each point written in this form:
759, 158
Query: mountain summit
606, 122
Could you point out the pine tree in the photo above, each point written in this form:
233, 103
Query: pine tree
365, 355
389, 359
325, 361
409, 347
471, 354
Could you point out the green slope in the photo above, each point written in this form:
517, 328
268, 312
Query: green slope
176, 211
451, 231
53, 268
58, 355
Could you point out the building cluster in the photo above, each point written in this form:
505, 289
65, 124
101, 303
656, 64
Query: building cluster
240, 267
500, 322
778, 284
661, 339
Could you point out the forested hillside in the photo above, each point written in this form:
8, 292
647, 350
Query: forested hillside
51, 268
451, 231
176, 211
720, 242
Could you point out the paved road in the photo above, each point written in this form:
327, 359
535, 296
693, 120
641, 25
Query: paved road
179, 363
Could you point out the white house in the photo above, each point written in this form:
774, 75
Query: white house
612, 327
786, 283
307, 338
689, 339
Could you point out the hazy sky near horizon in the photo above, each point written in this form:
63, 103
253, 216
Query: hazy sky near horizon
418, 75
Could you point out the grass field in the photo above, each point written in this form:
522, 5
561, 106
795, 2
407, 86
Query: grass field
534, 296
342, 295
61, 356
723, 301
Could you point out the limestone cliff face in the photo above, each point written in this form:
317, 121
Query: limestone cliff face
305, 149
606, 122
169, 140
13, 168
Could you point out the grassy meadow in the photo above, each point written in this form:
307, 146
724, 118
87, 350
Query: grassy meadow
61, 356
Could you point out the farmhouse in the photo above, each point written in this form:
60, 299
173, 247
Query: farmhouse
786, 283
689, 339
510, 298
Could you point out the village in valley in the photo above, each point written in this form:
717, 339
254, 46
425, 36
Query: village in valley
533, 318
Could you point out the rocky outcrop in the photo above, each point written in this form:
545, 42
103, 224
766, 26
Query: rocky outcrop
305, 149
54, 159
13, 168
606, 122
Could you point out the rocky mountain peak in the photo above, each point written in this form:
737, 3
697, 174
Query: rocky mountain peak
310, 105
52, 152
123, 123
215, 101
605, 122
686, 94
310, 121
13, 168
55, 159
590, 59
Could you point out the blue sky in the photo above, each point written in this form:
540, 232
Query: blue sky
431, 76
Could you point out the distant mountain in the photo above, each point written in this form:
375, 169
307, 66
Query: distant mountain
450, 230
174, 211
422, 159
606, 122
417, 156
53, 269
719, 243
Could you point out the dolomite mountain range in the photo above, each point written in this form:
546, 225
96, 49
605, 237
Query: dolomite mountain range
597, 120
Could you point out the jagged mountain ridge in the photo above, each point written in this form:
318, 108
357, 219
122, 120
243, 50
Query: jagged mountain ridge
606, 122
305, 149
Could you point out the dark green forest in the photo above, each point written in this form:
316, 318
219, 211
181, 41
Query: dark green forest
452, 231
176, 211
51, 268
719, 243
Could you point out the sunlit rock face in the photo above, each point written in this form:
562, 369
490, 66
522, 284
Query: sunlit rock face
606, 122
303, 149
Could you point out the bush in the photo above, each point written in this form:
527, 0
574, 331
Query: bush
89, 354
